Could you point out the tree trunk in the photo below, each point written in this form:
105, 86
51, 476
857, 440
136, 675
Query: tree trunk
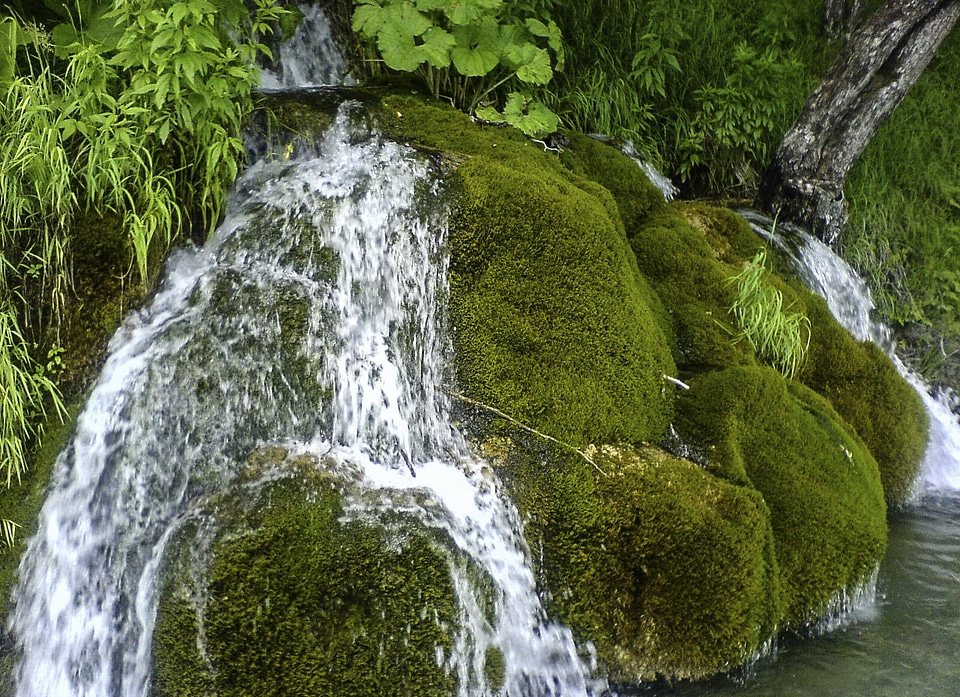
873, 73
841, 17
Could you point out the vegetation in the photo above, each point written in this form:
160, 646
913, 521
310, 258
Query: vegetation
299, 601
465, 51
777, 335
578, 298
131, 109
905, 219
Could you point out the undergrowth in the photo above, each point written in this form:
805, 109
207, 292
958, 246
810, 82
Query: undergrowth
130, 108
904, 233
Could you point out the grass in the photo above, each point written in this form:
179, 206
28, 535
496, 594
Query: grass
777, 335
904, 196
707, 89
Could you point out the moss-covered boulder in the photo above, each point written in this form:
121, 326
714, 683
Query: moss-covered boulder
635, 195
290, 598
553, 323
865, 388
666, 568
821, 484
690, 253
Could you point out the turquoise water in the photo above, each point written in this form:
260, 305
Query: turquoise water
906, 645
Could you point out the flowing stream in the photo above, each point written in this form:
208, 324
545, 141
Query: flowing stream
313, 319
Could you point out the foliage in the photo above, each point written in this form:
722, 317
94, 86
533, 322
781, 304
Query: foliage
778, 335
904, 232
706, 89
130, 108
465, 51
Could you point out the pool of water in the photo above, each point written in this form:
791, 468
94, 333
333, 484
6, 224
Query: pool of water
906, 645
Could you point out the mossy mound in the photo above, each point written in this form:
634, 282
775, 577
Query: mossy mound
821, 484
299, 601
864, 387
664, 567
634, 193
553, 323
689, 253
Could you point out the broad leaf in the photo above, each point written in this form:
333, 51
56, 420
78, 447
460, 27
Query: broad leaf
531, 117
399, 51
537, 71
474, 62
437, 45
367, 20
489, 113
405, 19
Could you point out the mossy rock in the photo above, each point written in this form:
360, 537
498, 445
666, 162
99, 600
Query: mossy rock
665, 568
690, 253
295, 600
554, 324
865, 388
821, 484
635, 194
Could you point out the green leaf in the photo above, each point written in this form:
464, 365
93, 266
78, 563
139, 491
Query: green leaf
474, 62
537, 28
489, 113
405, 19
437, 45
367, 20
478, 48
537, 71
399, 51
530, 116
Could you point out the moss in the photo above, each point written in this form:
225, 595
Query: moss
689, 255
864, 387
821, 484
553, 323
635, 195
667, 569
299, 601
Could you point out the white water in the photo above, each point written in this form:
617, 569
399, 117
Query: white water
204, 376
310, 58
850, 302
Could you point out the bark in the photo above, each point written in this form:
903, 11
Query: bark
873, 73
841, 17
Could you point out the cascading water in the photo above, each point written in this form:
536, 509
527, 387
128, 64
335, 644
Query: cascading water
850, 302
343, 246
310, 58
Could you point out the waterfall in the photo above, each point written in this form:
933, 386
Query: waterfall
345, 244
311, 58
850, 302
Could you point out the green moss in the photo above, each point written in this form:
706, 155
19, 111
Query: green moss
635, 195
689, 253
821, 484
299, 601
553, 322
864, 387
667, 569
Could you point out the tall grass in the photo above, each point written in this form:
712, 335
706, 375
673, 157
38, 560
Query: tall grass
706, 88
779, 336
904, 197
145, 126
